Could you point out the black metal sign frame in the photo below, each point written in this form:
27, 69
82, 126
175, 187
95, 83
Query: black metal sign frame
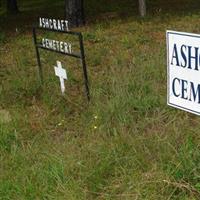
80, 56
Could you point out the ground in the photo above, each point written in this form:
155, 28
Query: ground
124, 144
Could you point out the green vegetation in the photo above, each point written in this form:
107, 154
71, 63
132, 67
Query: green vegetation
126, 143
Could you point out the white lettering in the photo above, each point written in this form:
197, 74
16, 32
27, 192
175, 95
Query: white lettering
55, 45
61, 25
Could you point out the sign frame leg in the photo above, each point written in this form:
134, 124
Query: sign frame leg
84, 67
38, 56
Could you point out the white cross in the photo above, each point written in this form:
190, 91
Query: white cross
62, 74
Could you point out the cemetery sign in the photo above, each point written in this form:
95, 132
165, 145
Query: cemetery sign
65, 48
183, 60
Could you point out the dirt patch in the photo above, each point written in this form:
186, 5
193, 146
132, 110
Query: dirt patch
5, 116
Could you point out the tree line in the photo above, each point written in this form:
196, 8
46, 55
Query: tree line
74, 10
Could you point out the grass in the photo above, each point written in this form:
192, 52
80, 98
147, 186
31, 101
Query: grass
126, 143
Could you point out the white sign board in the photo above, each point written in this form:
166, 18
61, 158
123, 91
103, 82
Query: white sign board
183, 60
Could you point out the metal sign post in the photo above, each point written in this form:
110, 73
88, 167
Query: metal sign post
80, 55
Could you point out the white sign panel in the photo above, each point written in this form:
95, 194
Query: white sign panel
183, 57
